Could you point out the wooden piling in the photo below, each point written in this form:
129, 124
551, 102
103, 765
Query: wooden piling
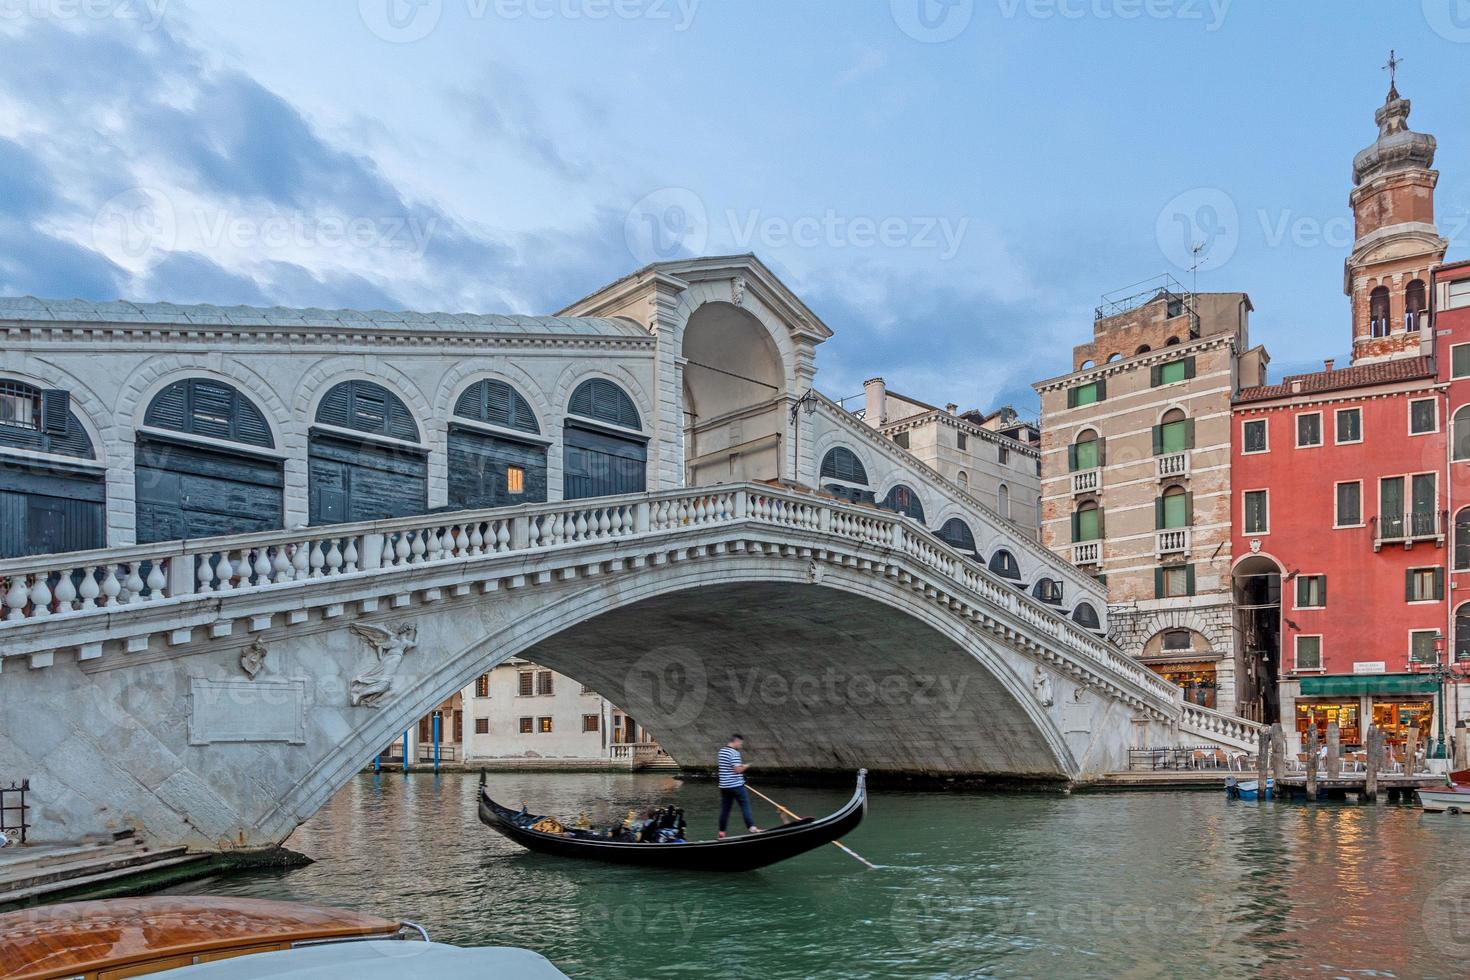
1278, 754
1411, 749
1462, 751
1334, 751
1263, 760
1313, 745
1374, 744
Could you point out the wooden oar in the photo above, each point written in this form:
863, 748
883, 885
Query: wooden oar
795, 817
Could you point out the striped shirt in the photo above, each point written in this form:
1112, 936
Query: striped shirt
729, 778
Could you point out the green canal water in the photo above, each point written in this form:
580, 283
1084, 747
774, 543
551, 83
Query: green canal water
1165, 884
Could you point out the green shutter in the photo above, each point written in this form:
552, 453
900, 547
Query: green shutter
1324, 590
1158, 513
1408, 585
1071, 397
1072, 458
1156, 375
1076, 526
1188, 368
1158, 583
1189, 580
1439, 583
1158, 440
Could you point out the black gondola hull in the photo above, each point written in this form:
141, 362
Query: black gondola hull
746, 852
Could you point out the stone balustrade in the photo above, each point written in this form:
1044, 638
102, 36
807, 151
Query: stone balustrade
113, 583
1220, 727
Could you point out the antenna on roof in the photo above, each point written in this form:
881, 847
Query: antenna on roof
1197, 250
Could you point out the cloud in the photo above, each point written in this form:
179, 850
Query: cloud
864, 63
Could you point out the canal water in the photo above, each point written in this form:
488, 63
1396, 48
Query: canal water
1148, 884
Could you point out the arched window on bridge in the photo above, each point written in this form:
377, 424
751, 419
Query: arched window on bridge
1085, 615
1048, 590
47, 508
496, 457
957, 534
904, 501
205, 464
604, 450
366, 460
843, 475
1004, 564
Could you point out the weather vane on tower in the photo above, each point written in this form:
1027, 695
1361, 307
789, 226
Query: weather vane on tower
1392, 67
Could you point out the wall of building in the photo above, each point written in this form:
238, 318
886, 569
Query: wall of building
501, 711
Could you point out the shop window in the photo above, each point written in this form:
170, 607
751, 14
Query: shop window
482, 726
1423, 416
543, 682
1309, 430
1320, 714
1397, 717
1311, 591
591, 723
543, 725
1309, 653
1349, 425
1423, 584
527, 682
1253, 435
482, 686
1196, 681
1421, 647
1350, 504
528, 726
1257, 509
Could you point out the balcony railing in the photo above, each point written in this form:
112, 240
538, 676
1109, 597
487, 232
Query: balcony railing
1086, 481
1408, 528
1087, 553
1173, 465
1173, 541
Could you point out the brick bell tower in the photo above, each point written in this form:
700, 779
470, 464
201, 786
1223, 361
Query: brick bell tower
1387, 274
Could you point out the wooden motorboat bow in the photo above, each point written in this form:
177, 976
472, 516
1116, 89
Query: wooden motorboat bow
746, 852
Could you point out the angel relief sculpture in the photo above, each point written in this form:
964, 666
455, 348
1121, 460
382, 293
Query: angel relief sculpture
390, 646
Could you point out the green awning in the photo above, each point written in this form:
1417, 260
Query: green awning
1353, 685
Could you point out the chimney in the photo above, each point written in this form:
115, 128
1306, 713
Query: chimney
1327, 364
875, 402
952, 409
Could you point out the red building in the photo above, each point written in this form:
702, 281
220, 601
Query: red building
1340, 492
1450, 292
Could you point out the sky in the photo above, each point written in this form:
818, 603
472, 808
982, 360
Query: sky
951, 185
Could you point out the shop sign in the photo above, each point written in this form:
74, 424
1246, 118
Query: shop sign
1370, 667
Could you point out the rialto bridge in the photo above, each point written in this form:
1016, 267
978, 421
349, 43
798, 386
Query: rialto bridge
251, 546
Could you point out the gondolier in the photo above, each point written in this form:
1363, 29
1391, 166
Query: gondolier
732, 784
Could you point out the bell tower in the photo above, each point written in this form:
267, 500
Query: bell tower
1387, 274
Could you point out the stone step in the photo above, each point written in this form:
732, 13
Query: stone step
155, 861
19, 860
105, 860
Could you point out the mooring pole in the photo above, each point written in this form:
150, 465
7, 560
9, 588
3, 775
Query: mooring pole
405, 752
1334, 750
436, 742
1313, 746
1374, 745
1263, 757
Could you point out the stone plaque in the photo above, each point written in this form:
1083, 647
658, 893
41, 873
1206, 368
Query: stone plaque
247, 711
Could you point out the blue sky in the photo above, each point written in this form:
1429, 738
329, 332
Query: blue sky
951, 192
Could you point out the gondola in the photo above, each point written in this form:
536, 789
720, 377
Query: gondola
746, 852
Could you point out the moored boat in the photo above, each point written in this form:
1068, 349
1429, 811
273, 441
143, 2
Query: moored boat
1249, 790
746, 852
1454, 797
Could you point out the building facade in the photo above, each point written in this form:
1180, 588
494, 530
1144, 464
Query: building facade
1136, 481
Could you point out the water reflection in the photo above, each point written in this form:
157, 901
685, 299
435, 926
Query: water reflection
1016, 885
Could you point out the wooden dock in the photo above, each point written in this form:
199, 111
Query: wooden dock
38, 872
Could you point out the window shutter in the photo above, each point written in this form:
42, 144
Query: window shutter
1102, 388
1158, 583
1158, 513
1072, 458
1101, 451
1155, 375
1076, 526
1071, 397
1189, 509
1189, 579
1324, 590
56, 412
1439, 583
1188, 368
1408, 585
1158, 440
1189, 433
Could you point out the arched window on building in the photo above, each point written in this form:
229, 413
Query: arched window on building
1085, 615
1086, 453
205, 465
1087, 522
1378, 325
963, 479
1174, 433
496, 454
903, 500
1172, 341
1173, 510
605, 452
1462, 633
1142, 349
365, 459
1460, 450
1115, 356
843, 475
1003, 501
46, 508
1462, 539
958, 535
1416, 304
1004, 564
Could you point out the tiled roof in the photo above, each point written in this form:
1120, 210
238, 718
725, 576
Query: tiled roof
1359, 376
205, 315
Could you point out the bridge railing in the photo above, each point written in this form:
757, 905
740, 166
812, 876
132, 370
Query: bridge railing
113, 580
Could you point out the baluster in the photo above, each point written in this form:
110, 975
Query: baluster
258, 567
433, 547
349, 557
281, 570
65, 592
89, 589
225, 573
316, 560
477, 539
579, 532
417, 548
334, 559
17, 597
441, 541
300, 560
604, 523
40, 596
205, 576
502, 536
618, 521
400, 548
157, 580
